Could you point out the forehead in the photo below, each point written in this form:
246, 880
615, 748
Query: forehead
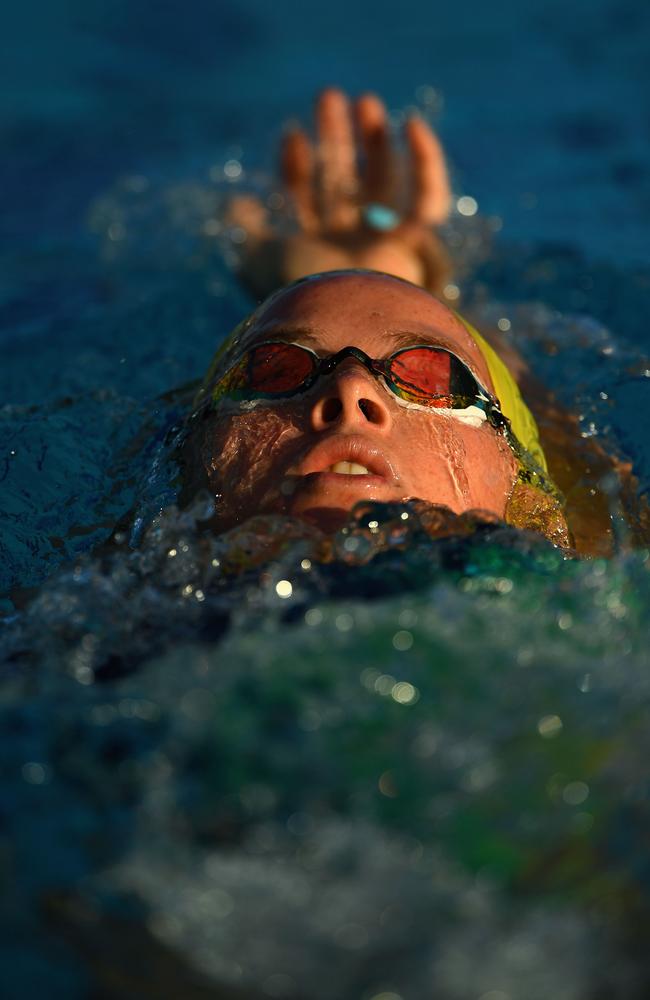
373, 312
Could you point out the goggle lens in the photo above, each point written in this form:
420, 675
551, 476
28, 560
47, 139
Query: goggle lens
422, 375
429, 376
278, 368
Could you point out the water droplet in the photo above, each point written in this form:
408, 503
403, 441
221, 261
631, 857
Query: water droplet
549, 726
467, 205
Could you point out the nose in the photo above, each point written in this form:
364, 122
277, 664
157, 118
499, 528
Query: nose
351, 399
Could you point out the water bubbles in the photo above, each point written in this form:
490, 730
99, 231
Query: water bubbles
212, 227
402, 640
384, 684
82, 673
575, 793
524, 656
368, 678
344, 622
549, 726
404, 693
284, 589
387, 785
467, 205
232, 170
480, 777
35, 773
408, 618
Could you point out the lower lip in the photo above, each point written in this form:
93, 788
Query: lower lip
339, 489
337, 484
328, 479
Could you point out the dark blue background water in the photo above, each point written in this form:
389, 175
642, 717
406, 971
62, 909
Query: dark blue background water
117, 111
548, 98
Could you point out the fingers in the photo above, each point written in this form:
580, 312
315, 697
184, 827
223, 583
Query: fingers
323, 177
431, 195
379, 172
297, 169
337, 181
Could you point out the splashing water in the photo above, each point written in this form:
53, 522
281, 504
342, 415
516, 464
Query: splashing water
316, 777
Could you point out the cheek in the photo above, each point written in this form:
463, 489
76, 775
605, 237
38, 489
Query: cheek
439, 463
245, 454
461, 467
492, 470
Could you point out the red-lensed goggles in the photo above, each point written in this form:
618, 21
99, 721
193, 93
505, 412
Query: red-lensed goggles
427, 375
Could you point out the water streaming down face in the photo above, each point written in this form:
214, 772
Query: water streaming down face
454, 453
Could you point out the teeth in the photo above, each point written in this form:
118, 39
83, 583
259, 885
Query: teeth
348, 469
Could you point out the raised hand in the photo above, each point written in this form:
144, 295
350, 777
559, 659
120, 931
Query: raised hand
357, 201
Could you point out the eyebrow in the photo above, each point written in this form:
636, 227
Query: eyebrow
310, 336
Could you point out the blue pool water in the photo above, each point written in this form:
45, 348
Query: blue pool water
421, 770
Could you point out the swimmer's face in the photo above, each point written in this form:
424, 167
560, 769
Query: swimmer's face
288, 456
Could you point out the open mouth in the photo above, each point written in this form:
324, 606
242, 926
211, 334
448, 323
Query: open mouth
347, 455
348, 469
336, 473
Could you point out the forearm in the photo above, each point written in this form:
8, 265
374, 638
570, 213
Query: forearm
418, 257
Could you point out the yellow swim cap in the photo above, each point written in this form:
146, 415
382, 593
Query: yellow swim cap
507, 392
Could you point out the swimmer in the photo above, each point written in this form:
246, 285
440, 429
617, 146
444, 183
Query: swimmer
355, 380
